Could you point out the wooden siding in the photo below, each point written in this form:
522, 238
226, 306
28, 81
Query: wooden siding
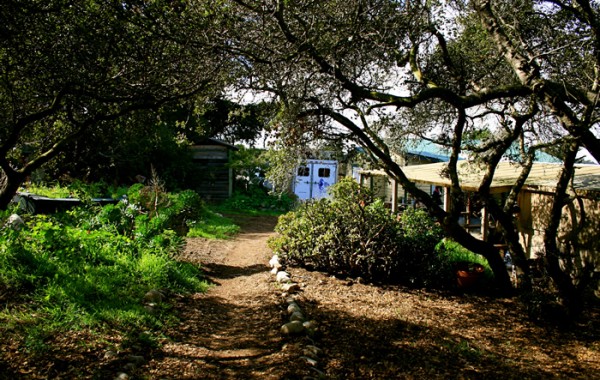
578, 232
215, 183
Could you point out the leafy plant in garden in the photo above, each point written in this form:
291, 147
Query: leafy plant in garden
91, 266
355, 234
257, 199
450, 254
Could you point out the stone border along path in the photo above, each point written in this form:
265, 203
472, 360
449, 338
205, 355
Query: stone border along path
233, 331
298, 323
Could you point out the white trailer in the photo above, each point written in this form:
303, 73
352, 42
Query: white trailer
314, 177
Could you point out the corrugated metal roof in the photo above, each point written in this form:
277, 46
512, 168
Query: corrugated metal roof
426, 148
543, 176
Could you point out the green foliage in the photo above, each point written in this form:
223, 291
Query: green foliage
213, 226
281, 164
450, 254
91, 266
78, 189
258, 200
354, 234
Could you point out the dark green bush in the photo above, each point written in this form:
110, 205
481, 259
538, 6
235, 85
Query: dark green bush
257, 198
91, 266
354, 234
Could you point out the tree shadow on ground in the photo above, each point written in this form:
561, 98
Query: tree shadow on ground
362, 347
214, 271
217, 339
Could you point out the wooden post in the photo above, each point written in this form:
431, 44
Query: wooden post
447, 202
484, 223
394, 196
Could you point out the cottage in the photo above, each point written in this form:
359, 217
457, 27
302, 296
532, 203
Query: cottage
581, 217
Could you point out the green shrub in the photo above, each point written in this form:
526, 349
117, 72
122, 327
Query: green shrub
258, 199
91, 266
356, 235
450, 254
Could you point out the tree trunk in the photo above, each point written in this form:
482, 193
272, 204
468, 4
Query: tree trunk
11, 181
485, 249
571, 295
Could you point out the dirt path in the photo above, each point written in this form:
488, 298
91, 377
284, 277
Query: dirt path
365, 331
232, 331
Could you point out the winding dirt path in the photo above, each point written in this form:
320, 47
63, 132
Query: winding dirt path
366, 331
232, 331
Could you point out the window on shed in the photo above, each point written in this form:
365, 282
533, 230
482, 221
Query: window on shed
324, 172
303, 171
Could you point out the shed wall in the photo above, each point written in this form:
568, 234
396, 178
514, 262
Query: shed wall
578, 232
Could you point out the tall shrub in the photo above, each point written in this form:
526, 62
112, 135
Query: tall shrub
354, 234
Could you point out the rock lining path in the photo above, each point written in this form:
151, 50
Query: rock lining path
233, 330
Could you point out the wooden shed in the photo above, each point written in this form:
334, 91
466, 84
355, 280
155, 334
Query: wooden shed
216, 177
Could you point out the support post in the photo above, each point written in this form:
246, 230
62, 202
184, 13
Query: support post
394, 196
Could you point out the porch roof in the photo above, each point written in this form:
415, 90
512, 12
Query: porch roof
542, 178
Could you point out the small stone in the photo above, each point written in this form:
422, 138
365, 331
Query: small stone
292, 328
293, 307
151, 309
136, 359
290, 287
283, 277
15, 222
109, 354
274, 261
122, 376
153, 296
310, 361
290, 299
310, 327
129, 367
312, 351
297, 316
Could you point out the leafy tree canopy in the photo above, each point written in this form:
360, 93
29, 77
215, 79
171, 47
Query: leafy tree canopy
70, 69
377, 71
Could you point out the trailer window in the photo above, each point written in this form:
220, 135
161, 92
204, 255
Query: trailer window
303, 171
324, 172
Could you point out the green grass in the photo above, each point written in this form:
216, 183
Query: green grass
75, 278
84, 269
450, 252
213, 226
50, 191
256, 201
76, 189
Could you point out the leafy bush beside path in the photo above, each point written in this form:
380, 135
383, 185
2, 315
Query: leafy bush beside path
354, 234
90, 267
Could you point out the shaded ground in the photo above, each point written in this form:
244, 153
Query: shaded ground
231, 332
365, 331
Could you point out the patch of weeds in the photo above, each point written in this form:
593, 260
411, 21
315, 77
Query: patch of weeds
89, 268
213, 226
465, 349
258, 201
35, 340
451, 253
